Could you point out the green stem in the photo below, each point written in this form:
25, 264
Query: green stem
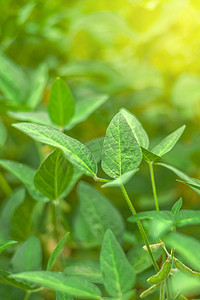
5, 186
54, 218
153, 185
101, 179
27, 296
140, 226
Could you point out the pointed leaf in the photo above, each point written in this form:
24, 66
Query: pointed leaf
89, 269
56, 252
122, 180
28, 256
63, 296
137, 128
169, 142
177, 206
118, 274
162, 214
187, 217
54, 175
84, 108
38, 117
61, 103
191, 183
149, 156
75, 286
96, 210
121, 152
6, 278
77, 153
6, 244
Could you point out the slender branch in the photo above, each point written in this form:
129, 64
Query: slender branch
27, 295
153, 185
101, 179
140, 226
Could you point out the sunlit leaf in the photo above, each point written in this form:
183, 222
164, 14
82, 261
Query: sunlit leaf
149, 156
6, 278
122, 180
6, 244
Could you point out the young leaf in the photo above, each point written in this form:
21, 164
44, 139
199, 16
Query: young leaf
177, 206
75, 286
123, 179
63, 296
25, 174
6, 244
3, 134
56, 252
38, 117
6, 278
84, 108
169, 142
61, 103
53, 175
28, 256
89, 269
77, 153
121, 152
118, 274
137, 128
182, 176
96, 210
149, 156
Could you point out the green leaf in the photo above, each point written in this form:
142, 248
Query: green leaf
126, 296
177, 206
61, 103
187, 217
89, 269
122, 180
38, 117
38, 81
187, 247
191, 184
25, 174
149, 156
63, 296
137, 128
169, 142
121, 152
28, 256
96, 210
84, 108
3, 134
77, 153
56, 252
77, 287
181, 175
118, 274
162, 214
21, 221
53, 175
6, 278
6, 244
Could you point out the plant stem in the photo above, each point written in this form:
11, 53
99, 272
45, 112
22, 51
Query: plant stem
153, 185
54, 218
140, 226
101, 179
5, 186
27, 296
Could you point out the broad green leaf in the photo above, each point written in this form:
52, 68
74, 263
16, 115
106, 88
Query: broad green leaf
53, 175
25, 174
38, 117
28, 256
75, 286
169, 142
56, 252
185, 284
177, 206
187, 247
61, 103
7, 211
13, 81
21, 221
38, 81
137, 128
149, 156
122, 180
187, 217
118, 274
63, 296
96, 210
6, 278
77, 153
77, 174
6, 244
162, 214
84, 108
3, 134
121, 152
88, 269
181, 175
